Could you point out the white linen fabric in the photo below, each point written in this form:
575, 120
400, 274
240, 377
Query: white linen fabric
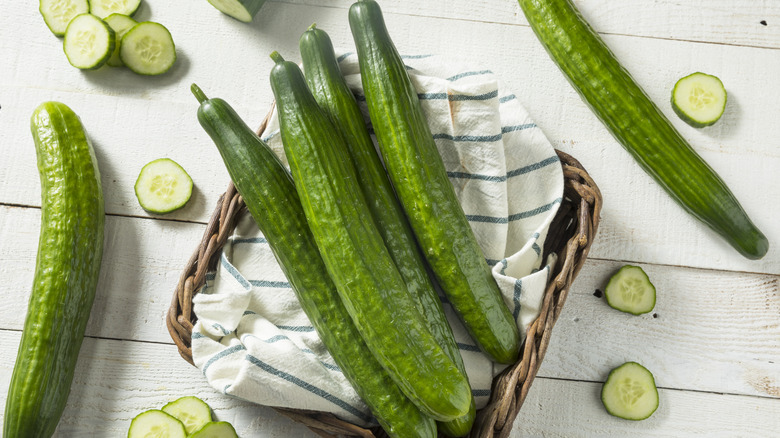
253, 341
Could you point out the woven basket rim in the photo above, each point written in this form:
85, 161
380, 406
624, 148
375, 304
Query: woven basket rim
571, 236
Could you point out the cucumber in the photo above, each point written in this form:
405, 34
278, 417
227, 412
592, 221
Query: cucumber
120, 25
334, 97
148, 49
699, 99
630, 291
66, 273
156, 423
163, 186
88, 42
426, 194
216, 429
241, 10
193, 412
58, 13
638, 125
269, 193
630, 392
104, 8
355, 255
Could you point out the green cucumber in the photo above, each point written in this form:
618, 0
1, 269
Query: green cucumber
104, 8
148, 49
66, 273
241, 10
630, 291
269, 193
193, 412
121, 24
638, 125
630, 392
156, 423
216, 429
163, 186
88, 42
699, 99
426, 194
355, 255
58, 13
335, 98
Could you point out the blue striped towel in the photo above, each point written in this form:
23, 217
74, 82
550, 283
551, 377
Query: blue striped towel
253, 341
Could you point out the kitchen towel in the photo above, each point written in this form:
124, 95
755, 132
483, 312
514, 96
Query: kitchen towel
253, 341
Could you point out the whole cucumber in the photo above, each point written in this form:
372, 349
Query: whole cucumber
638, 125
66, 273
421, 183
357, 260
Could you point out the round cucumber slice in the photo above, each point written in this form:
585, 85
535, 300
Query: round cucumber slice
104, 8
156, 423
193, 412
58, 13
630, 291
89, 42
630, 392
163, 186
121, 24
699, 99
241, 10
148, 49
216, 429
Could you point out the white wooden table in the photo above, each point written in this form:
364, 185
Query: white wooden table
713, 341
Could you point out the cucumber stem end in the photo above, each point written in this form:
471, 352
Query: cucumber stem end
312, 27
199, 94
277, 57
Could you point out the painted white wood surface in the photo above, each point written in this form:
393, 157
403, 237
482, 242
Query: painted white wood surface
717, 330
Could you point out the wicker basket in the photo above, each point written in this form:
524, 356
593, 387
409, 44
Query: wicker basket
571, 235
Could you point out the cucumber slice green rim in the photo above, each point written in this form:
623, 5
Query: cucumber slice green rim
148, 49
121, 24
241, 10
630, 291
57, 14
699, 99
104, 8
193, 412
163, 186
630, 392
156, 423
216, 429
88, 42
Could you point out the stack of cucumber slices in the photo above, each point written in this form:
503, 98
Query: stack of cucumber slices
100, 32
185, 417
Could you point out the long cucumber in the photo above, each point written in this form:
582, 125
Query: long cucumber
428, 198
70, 250
355, 255
638, 125
269, 193
335, 98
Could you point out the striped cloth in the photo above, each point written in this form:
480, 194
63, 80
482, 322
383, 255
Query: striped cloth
253, 341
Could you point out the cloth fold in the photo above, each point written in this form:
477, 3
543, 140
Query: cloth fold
253, 341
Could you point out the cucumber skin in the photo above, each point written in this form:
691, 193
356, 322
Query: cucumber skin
360, 265
638, 125
66, 273
335, 98
426, 194
270, 195
684, 117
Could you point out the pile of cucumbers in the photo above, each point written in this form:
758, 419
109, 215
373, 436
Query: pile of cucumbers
355, 238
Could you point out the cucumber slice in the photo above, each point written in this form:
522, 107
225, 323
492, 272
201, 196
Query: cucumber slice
163, 186
89, 42
630, 392
104, 8
242, 10
193, 412
630, 291
121, 24
148, 49
58, 13
216, 429
156, 423
699, 99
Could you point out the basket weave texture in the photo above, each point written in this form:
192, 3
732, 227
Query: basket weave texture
571, 235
